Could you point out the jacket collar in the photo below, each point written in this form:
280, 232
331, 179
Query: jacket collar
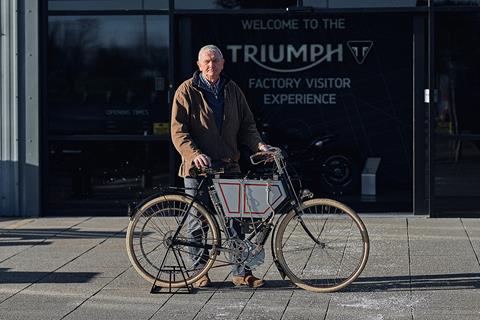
196, 80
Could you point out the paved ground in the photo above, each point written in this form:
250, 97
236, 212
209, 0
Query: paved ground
77, 268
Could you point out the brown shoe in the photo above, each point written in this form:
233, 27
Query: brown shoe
248, 280
204, 281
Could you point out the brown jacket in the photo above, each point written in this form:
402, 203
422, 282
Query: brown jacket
194, 130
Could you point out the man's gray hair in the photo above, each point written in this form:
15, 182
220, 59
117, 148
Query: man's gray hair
210, 47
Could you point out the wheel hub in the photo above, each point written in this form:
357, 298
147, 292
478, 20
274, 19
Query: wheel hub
167, 238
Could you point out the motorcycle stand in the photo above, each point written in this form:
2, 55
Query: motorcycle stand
172, 271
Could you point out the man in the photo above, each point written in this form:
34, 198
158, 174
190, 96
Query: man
210, 116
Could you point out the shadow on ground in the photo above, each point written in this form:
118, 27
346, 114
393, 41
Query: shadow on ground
370, 284
7, 276
35, 234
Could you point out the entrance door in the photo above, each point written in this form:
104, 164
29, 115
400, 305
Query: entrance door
455, 120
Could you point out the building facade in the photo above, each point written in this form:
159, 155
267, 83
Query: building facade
389, 87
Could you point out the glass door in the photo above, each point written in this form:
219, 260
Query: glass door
455, 126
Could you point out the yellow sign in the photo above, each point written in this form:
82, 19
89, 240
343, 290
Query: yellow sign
161, 128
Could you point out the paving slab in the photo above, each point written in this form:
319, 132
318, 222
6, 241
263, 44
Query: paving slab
371, 305
392, 247
182, 306
307, 305
443, 247
113, 304
219, 307
453, 303
386, 267
443, 265
437, 232
38, 306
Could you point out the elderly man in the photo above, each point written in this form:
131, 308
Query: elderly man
210, 116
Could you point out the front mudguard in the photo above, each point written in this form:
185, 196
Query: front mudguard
272, 244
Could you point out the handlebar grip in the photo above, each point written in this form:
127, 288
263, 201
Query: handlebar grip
266, 156
260, 157
194, 172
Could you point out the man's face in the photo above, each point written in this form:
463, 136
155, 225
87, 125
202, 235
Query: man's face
211, 65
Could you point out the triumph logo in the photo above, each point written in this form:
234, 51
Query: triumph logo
305, 55
360, 49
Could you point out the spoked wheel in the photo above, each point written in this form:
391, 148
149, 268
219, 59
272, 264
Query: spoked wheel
151, 240
325, 248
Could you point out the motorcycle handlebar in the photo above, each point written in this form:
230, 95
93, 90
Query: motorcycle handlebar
270, 155
266, 156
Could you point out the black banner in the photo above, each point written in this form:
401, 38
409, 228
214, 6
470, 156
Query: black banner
311, 74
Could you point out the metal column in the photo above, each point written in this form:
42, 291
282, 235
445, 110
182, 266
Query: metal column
9, 193
19, 109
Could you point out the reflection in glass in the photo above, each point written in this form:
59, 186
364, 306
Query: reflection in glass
107, 74
439, 3
456, 124
361, 3
107, 4
233, 4
371, 115
103, 177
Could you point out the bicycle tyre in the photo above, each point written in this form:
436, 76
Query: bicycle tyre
336, 254
147, 240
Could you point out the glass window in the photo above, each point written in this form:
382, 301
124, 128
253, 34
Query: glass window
107, 4
457, 133
108, 74
307, 77
233, 4
438, 3
361, 3
103, 176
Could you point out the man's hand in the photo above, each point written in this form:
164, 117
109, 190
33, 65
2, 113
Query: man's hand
264, 147
202, 161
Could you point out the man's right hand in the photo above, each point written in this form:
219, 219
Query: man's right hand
202, 161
